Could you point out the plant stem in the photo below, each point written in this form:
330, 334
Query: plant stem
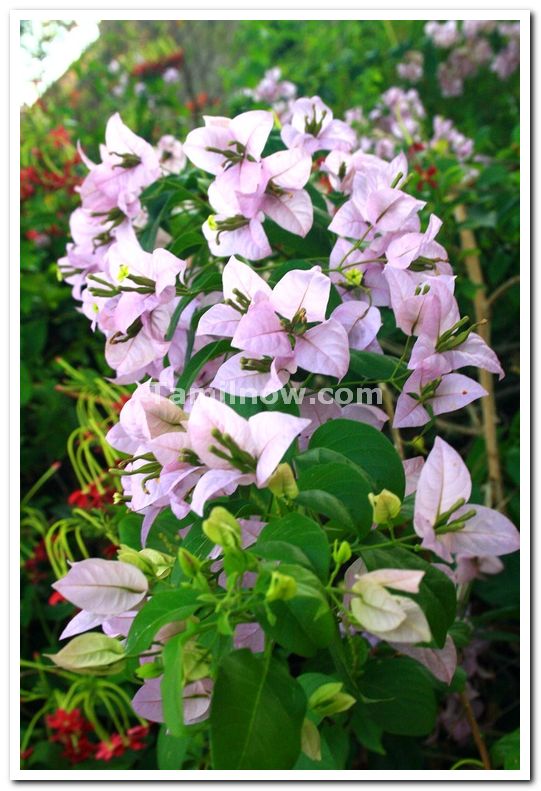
476, 733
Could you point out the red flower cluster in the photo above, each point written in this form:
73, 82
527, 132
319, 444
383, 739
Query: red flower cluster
426, 176
42, 176
70, 729
90, 498
117, 744
201, 101
152, 68
34, 565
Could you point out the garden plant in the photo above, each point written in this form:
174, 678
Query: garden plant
292, 542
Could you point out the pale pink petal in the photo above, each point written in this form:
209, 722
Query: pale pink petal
308, 289
103, 587
215, 482
221, 320
241, 277
444, 480
440, 661
324, 349
81, 622
292, 211
485, 534
272, 434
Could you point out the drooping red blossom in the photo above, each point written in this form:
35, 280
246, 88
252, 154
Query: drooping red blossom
60, 136
79, 750
55, 598
90, 497
113, 748
426, 176
137, 736
67, 723
34, 564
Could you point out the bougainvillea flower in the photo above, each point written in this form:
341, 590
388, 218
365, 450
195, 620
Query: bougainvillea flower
147, 701
103, 587
441, 662
171, 154
414, 297
409, 247
236, 451
377, 201
129, 164
384, 614
146, 415
432, 384
272, 328
448, 525
313, 128
235, 145
236, 228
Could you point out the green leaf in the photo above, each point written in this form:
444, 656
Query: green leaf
375, 367
296, 530
437, 594
322, 502
172, 685
506, 751
171, 750
164, 607
368, 448
304, 623
348, 484
404, 700
201, 358
366, 730
256, 715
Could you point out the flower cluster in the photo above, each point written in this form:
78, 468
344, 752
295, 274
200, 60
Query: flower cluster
249, 187
272, 330
471, 48
72, 730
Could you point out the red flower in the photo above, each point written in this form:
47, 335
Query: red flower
35, 561
60, 136
117, 405
137, 735
113, 748
79, 750
90, 497
55, 598
67, 723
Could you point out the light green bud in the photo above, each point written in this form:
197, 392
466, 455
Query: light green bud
223, 529
282, 482
282, 587
341, 552
385, 506
329, 699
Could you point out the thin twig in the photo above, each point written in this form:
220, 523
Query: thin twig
482, 313
503, 288
389, 408
476, 733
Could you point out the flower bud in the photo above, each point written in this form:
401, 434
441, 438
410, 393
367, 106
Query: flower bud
222, 528
128, 555
354, 277
385, 506
341, 553
189, 564
282, 482
281, 587
310, 740
160, 563
329, 699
